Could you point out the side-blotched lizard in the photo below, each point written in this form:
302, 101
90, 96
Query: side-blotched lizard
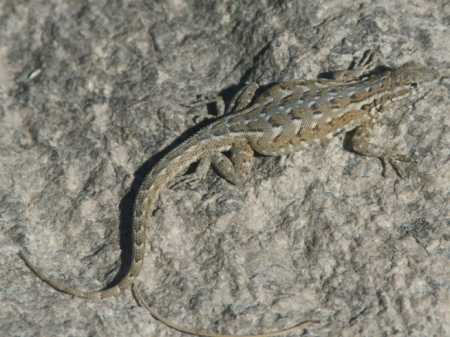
274, 121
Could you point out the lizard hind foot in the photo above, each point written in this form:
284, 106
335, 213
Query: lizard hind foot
196, 177
188, 180
401, 164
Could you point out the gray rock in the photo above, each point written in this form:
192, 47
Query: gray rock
91, 91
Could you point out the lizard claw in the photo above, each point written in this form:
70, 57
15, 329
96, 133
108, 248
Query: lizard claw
395, 161
202, 100
212, 101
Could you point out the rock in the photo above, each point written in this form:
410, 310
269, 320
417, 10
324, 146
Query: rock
91, 92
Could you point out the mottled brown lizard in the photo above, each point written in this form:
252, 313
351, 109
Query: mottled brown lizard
277, 120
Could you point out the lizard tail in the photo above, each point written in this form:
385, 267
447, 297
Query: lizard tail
104, 293
145, 202
203, 333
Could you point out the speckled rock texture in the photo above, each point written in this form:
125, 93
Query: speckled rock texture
92, 94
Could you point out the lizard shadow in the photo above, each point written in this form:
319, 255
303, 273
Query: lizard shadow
128, 202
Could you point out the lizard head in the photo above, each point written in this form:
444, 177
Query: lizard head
414, 74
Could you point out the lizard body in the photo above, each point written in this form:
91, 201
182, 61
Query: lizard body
276, 121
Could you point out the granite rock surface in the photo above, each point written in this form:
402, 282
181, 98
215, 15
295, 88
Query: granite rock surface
93, 93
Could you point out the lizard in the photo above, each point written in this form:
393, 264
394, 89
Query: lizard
276, 120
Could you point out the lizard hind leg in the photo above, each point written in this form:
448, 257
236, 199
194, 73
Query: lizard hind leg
235, 169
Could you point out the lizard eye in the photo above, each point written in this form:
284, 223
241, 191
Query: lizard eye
414, 85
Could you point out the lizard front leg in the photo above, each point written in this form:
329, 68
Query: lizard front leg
240, 101
360, 143
370, 60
